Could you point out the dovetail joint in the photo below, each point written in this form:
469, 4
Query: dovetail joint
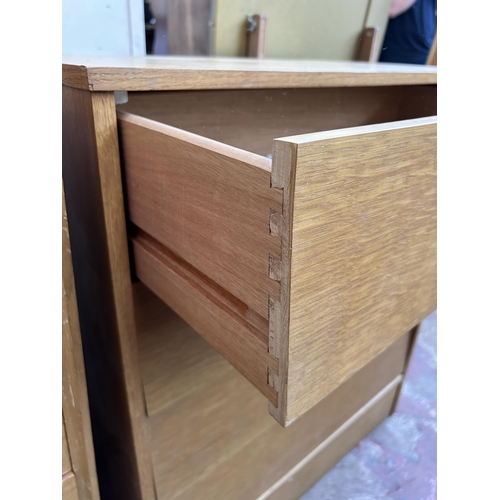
275, 223
274, 268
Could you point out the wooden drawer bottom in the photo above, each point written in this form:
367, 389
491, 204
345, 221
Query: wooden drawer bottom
211, 434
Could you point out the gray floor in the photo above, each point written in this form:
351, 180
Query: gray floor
398, 460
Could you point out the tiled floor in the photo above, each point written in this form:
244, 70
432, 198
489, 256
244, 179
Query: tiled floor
398, 460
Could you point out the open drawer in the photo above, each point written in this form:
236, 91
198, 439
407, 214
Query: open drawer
298, 269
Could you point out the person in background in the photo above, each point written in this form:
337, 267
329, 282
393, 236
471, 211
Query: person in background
150, 25
410, 31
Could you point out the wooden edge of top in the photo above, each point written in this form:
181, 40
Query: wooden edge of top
362, 130
76, 76
196, 74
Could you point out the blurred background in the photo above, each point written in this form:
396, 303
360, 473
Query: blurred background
371, 30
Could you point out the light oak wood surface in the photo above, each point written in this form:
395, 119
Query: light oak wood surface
225, 329
207, 202
78, 447
96, 220
173, 418
226, 445
189, 73
363, 263
262, 248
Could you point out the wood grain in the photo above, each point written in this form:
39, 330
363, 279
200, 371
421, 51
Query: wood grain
176, 364
283, 178
251, 119
226, 445
189, 73
76, 416
307, 472
207, 313
206, 202
96, 219
363, 259
164, 200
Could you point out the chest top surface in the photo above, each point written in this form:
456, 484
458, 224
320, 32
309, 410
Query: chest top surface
190, 73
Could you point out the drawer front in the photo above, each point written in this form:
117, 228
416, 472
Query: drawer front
361, 270
300, 271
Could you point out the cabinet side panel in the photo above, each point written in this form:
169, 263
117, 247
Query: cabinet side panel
78, 447
91, 174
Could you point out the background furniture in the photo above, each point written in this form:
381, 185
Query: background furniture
321, 29
294, 29
309, 272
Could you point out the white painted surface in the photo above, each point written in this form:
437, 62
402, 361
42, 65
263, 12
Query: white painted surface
103, 27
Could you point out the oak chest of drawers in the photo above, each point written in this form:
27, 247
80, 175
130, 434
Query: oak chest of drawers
283, 211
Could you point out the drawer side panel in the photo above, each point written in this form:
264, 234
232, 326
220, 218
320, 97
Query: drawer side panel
206, 202
224, 329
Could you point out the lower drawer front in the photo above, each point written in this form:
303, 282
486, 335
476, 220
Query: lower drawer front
307, 472
299, 271
211, 435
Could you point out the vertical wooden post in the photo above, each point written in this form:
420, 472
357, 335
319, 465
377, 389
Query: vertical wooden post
256, 36
96, 220
369, 44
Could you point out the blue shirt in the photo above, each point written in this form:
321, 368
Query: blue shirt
410, 35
